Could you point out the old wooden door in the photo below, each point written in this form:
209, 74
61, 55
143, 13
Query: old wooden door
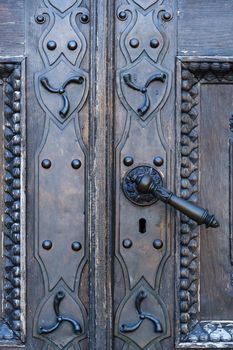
106, 107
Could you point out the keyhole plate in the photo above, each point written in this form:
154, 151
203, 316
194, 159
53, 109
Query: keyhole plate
129, 185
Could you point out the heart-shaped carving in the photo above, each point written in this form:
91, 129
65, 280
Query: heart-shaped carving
145, 3
62, 5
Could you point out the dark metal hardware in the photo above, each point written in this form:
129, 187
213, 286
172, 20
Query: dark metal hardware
131, 191
46, 163
127, 243
76, 246
56, 305
143, 89
51, 45
158, 161
40, 19
167, 16
72, 45
143, 181
158, 244
84, 19
131, 327
134, 42
154, 43
61, 90
128, 160
47, 244
122, 16
76, 164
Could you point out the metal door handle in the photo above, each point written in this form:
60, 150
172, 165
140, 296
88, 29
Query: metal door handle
145, 180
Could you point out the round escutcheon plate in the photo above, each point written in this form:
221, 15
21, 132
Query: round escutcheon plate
129, 185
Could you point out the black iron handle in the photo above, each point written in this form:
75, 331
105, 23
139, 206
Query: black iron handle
145, 184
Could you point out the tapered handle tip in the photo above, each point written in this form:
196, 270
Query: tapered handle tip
212, 222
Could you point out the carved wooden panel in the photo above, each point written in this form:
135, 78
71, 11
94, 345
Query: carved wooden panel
144, 79
61, 243
12, 197
205, 158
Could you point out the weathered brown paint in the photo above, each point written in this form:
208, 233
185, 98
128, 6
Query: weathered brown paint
200, 31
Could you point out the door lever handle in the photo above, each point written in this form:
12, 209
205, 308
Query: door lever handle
149, 182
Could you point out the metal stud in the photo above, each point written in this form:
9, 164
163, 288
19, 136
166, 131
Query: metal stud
154, 43
127, 243
158, 161
76, 164
122, 15
40, 19
158, 244
128, 160
46, 163
51, 45
134, 42
76, 246
84, 18
72, 45
47, 244
167, 16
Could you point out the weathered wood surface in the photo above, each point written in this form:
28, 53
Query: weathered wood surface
12, 27
205, 27
198, 28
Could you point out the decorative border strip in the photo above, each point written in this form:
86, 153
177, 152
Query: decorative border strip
193, 333
12, 323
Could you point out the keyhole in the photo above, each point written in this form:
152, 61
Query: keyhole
142, 225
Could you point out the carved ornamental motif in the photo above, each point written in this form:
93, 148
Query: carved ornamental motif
61, 244
12, 322
143, 87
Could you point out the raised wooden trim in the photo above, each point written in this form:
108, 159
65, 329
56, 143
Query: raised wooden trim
192, 332
13, 320
101, 174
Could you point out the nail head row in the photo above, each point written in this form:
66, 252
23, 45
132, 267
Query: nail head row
76, 163
157, 243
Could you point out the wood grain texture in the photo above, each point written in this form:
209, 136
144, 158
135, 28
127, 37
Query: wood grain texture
216, 269
12, 27
205, 27
100, 195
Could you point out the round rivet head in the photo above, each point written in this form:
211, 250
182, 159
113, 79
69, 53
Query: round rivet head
134, 42
122, 15
76, 164
72, 45
47, 244
154, 43
158, 244
127, 243
76, 246
84, 18
158, 161
167, 16
46, 163
51, 45
128, 160
40, 19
